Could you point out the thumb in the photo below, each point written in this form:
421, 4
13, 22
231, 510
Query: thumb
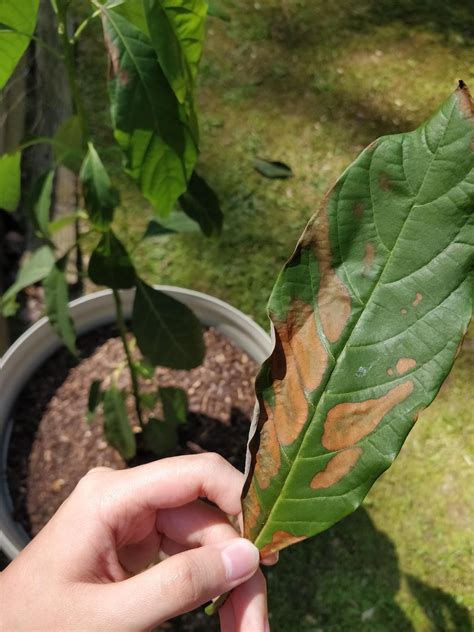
183, 582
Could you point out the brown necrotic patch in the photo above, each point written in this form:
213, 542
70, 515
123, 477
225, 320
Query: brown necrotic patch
280, 540
114, 68
252, 511
403, 311
384, 182
268, 456
417, 300
336, 469
334, 300
465, 101
358, 209
404, 365
348, 423
369, 258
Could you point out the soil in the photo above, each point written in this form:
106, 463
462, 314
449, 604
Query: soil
53, 446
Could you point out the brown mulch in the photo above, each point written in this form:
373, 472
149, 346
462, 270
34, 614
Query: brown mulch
53, 446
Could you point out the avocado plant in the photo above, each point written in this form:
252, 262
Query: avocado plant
153, 49
368, 315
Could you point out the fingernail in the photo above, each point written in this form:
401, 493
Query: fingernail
241, 559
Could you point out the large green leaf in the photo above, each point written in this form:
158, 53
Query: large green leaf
117, 429
368, 315
201, 204
17, 24
100, 197
176, 29
167, 332
56, 296
151, 127
35, 269
10, 181
40, 202
110, 264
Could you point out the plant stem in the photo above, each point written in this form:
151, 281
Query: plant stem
123, 335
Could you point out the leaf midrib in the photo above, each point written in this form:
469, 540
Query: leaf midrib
364, 311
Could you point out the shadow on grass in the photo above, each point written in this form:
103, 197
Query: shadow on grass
347, 579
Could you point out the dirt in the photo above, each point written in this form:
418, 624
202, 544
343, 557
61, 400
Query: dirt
53, 446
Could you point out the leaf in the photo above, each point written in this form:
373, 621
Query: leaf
94, 399
117, 429
10, 181
18, 21
148, 400
201, 204
40, 202
69, 145
110, 264
100, 197
176, 29
144, 368
151, 127
58, 224
368, 315
167, 332
33, 270
176, 222
216, 10
272, 169
56, 294
175, 404
160, 437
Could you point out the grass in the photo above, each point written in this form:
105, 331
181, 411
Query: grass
311, 83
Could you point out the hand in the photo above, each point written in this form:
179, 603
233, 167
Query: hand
80, 572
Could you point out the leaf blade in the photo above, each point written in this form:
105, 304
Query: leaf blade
56, 305
117, 429
20, 20
101, 198
10, 181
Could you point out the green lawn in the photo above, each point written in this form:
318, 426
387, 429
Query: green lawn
311, 83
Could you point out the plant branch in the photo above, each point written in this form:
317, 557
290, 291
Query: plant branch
133, 374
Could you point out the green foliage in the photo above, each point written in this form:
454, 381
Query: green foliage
17, 24
40, 203
94, 399
367, 327
167, 332
159, 436
69, 144
175, 404
10, 180
117, 428
110, 264
100, 197
56, 296
201, 204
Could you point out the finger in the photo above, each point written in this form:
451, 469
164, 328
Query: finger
226, 617
249, 604
138, 555
180, 583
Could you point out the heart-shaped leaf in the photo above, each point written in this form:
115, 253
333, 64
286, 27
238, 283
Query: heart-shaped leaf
17, 24
151, 127
368, 315
100, 196
117, 429
167, 331
110, 264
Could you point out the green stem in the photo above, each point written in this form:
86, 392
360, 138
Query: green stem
84, 25
123, 335
68, 48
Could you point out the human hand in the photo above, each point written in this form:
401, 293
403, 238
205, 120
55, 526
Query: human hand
79, 572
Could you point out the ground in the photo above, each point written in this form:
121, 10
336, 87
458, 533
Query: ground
311, 83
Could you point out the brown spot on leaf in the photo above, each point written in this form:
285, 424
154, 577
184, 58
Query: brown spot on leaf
348, 423
417, 300
252, 511
403, 311
268, 456
334, 300
384, 182
359, 209
390, 371
369, 258
465, 101
280, 540
404, 365
335, 470
298, 365
114, 69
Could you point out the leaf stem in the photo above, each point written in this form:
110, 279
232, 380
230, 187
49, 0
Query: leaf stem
133, 374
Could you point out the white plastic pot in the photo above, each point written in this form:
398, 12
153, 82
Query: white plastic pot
89, 312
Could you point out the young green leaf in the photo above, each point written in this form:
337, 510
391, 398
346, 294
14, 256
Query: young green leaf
58, 224
18, 21
34, 269
148, 400
159, 436
167, 332
117, 429
201, 204
175, 404
110, 264
94, 399
176, 29
10, 181
368, 315
69, 144
144, 368
40, 202
273, 169
176, 222
151, 127
100, 197
56, 296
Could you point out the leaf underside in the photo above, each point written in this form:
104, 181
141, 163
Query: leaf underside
368, 315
